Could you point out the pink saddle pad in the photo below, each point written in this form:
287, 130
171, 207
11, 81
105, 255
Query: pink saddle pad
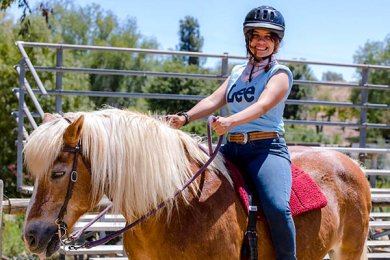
305, 193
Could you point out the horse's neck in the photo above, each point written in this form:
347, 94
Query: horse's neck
191, 219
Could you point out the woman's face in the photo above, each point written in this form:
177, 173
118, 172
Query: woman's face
261, 44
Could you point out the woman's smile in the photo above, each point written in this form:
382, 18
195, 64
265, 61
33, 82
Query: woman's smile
261, 43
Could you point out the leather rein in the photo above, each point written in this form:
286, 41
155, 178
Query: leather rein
66, 239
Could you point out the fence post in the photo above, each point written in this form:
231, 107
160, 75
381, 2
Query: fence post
1, 219
19, 162
224, 73
374, 165
363, 111
59, 74
225, 64
363, 121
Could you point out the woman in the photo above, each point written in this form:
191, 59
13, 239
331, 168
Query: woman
255, 94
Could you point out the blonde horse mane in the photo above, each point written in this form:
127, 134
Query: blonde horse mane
136, 160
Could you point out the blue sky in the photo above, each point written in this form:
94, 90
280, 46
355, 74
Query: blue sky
322, 30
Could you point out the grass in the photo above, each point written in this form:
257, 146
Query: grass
13, 246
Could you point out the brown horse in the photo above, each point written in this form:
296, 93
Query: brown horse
138, 162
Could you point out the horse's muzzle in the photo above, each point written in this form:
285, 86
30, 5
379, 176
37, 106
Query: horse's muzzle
41, 237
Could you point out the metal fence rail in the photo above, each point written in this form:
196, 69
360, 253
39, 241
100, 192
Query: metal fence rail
26, 66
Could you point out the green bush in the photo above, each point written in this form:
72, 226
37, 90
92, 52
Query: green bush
13, 245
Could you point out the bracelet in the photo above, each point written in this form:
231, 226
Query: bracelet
185, 116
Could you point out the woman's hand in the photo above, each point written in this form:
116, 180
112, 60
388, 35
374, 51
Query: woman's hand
222, 125
175, 121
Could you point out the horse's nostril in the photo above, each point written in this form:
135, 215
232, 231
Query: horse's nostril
31, 239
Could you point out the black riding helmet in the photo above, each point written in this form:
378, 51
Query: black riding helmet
265, 17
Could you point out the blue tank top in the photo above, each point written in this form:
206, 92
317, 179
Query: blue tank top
240, 95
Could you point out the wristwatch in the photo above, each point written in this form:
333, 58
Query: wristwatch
185, 116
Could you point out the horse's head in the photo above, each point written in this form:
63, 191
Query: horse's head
49, 205
134, 159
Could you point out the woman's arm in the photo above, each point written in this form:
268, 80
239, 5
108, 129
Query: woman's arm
274, 92
204, 108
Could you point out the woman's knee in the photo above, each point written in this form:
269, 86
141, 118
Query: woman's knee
277, 212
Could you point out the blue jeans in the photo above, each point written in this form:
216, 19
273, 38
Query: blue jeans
269, 167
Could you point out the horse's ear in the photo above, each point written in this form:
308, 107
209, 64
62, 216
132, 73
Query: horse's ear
73, 132
47, 117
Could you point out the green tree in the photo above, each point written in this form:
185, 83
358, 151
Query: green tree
22, 4
10, 56
298, 92
93, 25
182, 86
190, 38
13, 246
324, 93
25, 19
375, 52
68, 24
332, 76
109, 32
8, 103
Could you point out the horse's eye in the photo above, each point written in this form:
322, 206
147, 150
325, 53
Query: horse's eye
57, 174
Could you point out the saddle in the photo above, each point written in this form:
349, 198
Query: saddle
305, 196
305, 193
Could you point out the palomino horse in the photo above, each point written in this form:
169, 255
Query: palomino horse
138, 161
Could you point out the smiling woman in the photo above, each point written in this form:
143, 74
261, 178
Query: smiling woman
255, 94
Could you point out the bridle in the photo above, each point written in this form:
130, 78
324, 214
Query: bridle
73, 176
65, 239
62, 227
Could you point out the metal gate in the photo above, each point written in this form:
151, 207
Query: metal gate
26, 66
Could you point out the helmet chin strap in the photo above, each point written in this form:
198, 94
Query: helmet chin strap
252, 55
251, 74
255, 59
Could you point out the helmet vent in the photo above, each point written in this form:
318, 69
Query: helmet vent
257, 15
265, 14
272, 16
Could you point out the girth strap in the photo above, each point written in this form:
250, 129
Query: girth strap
249, 247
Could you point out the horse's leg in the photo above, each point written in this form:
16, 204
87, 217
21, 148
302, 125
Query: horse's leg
350, 247
352, 244
365, 252
352, 251
356, 220
332, 255
364, 255
355, 225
